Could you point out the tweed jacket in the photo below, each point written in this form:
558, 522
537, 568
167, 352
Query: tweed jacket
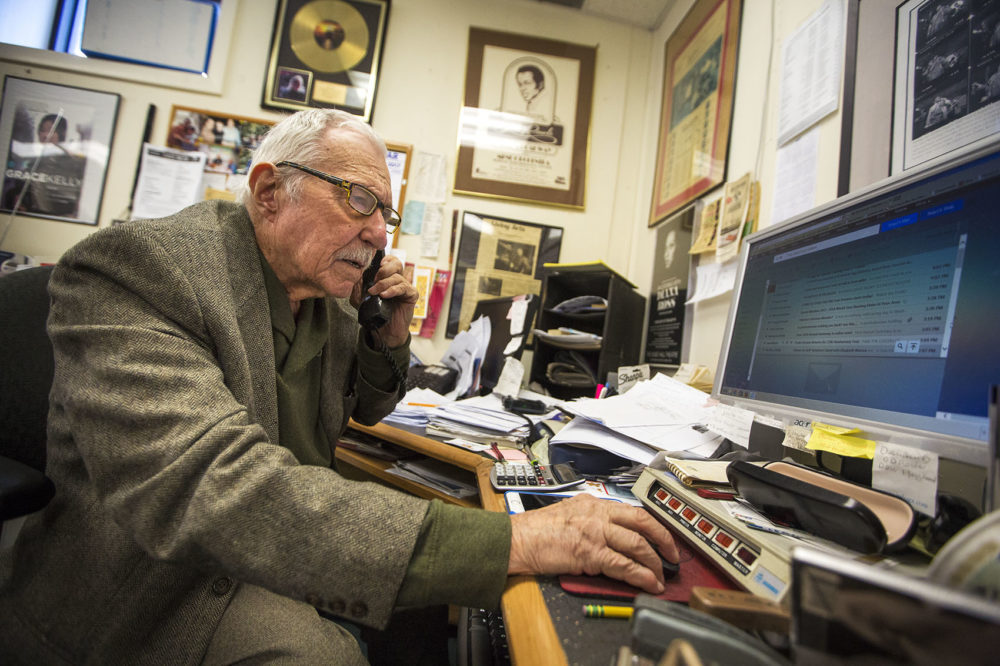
172, 488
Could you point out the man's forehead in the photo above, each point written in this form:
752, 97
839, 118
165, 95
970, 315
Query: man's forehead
355, 155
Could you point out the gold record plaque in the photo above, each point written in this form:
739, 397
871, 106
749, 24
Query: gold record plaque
326, 53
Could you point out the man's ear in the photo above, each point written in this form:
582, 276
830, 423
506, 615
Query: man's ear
263, 183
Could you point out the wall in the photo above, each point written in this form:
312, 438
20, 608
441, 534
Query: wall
753, 143
419, 100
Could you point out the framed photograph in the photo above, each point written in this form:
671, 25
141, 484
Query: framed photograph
498, 257
397, 158
228, 142
326, 53
55, 141
525, 124
699, 80
946, 91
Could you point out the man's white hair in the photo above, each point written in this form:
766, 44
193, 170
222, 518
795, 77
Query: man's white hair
300, 138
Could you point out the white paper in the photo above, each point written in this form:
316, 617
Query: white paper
510, 378
795, 177
517, 314
713, 280
428, 178
169, 180
430, 238
733, 423
811, 59
908, 473
586, 432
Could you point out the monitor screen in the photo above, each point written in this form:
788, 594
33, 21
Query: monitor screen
880, 309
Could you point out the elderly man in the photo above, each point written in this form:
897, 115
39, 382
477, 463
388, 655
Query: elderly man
206, 364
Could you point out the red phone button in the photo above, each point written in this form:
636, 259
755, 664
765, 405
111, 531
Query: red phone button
705, 526
674, 504
724, 539
688, 514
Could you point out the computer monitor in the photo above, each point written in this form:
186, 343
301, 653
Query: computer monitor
879, 310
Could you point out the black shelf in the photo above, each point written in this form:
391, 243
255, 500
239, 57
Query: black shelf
620, 326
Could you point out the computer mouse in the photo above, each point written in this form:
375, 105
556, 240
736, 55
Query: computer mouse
670, 569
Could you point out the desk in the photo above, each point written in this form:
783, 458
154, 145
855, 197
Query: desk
531, 635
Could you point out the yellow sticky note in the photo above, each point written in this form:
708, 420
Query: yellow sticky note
834, 430
843, 445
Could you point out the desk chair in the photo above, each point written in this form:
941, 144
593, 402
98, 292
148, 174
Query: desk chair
26, 369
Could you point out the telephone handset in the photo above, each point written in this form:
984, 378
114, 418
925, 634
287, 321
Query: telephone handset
373, 312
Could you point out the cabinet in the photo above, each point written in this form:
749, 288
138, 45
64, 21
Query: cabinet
619, 325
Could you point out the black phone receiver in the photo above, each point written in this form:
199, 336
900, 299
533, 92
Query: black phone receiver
373, 312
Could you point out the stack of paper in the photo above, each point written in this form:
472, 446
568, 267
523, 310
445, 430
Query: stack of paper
656, 415
436, 474
479, 419
413, 411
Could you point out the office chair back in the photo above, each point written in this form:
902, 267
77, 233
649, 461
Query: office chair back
26, 370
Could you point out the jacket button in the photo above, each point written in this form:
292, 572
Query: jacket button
313, 600
338, 606
221, 586
359, 609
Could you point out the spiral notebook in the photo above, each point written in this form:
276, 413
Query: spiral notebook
699, 472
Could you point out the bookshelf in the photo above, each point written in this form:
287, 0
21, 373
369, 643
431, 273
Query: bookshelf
619, 325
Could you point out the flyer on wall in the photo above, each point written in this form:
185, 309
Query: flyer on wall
671, 265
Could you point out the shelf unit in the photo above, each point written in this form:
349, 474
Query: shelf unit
620, 325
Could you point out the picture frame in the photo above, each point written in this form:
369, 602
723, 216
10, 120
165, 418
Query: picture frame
55, 140
227, 140
498, 257
699, 81
326, 54
525, 124
946, 82
398, 158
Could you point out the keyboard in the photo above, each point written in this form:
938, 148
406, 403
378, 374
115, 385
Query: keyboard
437, 378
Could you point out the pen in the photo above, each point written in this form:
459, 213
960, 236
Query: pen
594, 610
597, 393
421, 404
496, 451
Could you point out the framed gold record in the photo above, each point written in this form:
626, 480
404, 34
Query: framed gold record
326, 53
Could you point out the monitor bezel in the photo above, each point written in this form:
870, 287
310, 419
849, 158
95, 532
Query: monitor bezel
953, 447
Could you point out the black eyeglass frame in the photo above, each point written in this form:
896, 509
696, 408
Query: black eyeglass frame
348, 186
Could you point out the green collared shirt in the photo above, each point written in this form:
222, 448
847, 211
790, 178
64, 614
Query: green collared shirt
461, 555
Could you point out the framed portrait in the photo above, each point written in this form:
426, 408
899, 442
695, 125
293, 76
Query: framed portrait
525, 124
55, 141
228, 142
326, 53
498, 257
699, 80
946, 89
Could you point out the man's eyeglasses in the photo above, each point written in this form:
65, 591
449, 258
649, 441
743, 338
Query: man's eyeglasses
359, 197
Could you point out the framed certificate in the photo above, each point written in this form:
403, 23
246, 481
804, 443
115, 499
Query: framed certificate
699, 80
326, 53
525, 124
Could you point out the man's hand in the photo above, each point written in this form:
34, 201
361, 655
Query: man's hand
584, 534
391, 286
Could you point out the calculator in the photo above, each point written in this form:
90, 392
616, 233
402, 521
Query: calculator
533, 476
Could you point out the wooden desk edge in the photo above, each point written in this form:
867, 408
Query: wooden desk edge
531, 636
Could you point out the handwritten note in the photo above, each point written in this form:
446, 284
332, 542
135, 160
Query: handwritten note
909, 473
